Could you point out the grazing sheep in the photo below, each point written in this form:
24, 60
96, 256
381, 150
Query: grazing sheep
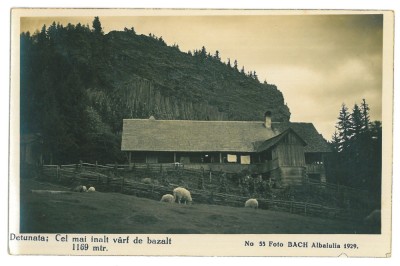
79, 188
168, 198
146, 180
251, 203
182, 193
373, 219
91, 189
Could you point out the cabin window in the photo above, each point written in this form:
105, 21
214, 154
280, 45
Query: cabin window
232, 158
245, 159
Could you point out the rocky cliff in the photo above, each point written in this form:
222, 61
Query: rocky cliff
152, 78
78, 84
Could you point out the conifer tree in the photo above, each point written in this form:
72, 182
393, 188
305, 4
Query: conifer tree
343, 127
358, 156
365, 115
255, 75
356, 122
203, 52
97, 26
335, 141
216, 56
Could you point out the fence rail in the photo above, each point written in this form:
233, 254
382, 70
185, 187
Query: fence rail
112, 178
335, 186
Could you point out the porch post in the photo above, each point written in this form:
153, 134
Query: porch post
130, 157
174, 157
220, 157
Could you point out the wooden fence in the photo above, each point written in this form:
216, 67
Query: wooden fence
335, 187
121, 178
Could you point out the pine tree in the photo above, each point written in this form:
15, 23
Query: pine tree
365, 115
97, 26
356, 123
161, 40
216, 56
203, 52
335, 141
255, 75
235, 65
343, 127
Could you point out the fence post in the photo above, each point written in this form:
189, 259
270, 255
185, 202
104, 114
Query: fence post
97, 173
122, 184
57, 173
305, 209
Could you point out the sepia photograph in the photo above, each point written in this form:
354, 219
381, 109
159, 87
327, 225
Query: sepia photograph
148, 127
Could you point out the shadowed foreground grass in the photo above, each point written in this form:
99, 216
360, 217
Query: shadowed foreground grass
118, 213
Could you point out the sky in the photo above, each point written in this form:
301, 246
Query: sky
319, 62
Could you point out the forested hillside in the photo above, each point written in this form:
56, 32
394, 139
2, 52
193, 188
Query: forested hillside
77, 84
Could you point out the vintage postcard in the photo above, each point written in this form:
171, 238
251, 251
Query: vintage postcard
201, 132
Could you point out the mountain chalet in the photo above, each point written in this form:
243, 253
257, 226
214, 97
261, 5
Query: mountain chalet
285, 152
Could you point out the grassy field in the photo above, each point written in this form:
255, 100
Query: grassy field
118, 213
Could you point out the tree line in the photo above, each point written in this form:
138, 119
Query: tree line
203, 54
70, 86
58, 66
356, 160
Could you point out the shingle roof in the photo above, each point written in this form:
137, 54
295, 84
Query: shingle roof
271, 142
307, 131
210, 136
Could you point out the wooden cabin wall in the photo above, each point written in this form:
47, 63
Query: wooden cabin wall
292, 175
290, 152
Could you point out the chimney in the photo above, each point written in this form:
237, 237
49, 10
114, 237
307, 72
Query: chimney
267, 119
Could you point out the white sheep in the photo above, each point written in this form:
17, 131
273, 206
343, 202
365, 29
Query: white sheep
79, 188
182, 193
373, 219
168, 198
91, 189
251, 203
147, 180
